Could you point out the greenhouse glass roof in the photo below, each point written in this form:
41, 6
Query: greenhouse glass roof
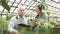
29, 5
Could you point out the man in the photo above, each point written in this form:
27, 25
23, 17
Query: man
16, 20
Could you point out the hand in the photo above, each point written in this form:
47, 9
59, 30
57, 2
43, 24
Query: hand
15, 32
36, 24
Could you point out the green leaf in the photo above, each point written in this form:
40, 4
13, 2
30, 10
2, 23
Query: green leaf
0, 2
46, 7
5, 5
48, 13
9, 16
42, 1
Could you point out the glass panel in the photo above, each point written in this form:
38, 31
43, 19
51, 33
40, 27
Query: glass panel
11, 10
9, 3
22, 2
18, 1
15, 4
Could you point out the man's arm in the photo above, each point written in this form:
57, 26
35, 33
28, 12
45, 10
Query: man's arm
11, 26
24, 25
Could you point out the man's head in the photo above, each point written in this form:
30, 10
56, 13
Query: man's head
21, 11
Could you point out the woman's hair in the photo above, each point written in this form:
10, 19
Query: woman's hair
40, 7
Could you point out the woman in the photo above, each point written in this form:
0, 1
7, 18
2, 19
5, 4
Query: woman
40, 16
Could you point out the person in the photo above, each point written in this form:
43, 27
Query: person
40, 16
16, 21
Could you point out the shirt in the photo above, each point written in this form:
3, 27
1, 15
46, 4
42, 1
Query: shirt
14, 21
41, 18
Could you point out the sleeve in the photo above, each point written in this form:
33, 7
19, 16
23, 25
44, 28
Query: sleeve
25, 19
44, 16
11, 24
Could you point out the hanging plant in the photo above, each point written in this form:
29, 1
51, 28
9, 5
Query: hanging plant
5, 5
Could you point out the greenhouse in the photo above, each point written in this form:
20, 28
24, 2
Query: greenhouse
29, 16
